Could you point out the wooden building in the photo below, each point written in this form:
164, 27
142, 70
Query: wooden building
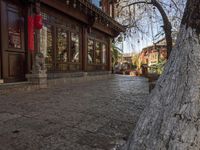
76, 36
153, 54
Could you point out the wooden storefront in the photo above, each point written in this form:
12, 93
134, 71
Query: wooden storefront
13, 48
76, 37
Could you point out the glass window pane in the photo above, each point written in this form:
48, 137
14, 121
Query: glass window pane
98, 52
62, 50
14, 31
90, 51
103, 53
96, 2
75, 48
46, 45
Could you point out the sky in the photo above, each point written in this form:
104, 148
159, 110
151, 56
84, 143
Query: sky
137, 40
151, 26
137, 47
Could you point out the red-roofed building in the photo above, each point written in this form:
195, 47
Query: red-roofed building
154, 54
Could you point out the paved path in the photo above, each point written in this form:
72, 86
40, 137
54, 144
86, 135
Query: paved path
93, 115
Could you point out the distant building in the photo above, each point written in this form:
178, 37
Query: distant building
153, 54
127, 57
108, 6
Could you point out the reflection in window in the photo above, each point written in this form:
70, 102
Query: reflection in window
90, 51
46, 46
96, 2
75, 46
103, 53
111, 10
98, 52
62, 53
14, 31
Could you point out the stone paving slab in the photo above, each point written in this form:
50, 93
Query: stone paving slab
91, 115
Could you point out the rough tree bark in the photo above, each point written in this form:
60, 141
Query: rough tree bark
171, 120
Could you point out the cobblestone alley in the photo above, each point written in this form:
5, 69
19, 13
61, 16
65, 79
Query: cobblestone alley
92, 115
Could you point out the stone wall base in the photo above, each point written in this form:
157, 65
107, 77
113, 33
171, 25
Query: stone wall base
86, 77
37, 79
1, 81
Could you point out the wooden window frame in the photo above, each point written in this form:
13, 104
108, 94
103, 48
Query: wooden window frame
94, 51
13, 9
56, 23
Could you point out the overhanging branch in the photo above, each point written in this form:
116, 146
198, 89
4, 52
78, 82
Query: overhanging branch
167, 25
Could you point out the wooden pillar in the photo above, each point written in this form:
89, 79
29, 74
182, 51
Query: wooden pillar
110, 54
84, 48
38, 75
37, 32
113, 9
1, 80
28, 54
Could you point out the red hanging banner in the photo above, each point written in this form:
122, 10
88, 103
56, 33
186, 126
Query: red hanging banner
31, 33
38, 21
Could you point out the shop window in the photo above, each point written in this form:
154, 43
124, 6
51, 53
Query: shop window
75, 48
98, 52
90, 51
46, 45
104, 54
14, 31
65, 53
62, 46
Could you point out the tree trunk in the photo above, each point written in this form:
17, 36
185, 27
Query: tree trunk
166, 26
171, 120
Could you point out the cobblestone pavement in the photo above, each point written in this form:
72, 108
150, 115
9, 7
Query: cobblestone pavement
92, 115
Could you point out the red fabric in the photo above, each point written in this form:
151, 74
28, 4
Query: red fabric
31, 33
38, 22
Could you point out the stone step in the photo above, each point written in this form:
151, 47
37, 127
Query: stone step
6, 88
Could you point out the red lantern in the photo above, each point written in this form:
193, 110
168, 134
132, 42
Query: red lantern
31, 33
38, 21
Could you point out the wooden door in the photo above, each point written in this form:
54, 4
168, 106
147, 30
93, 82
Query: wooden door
12, 35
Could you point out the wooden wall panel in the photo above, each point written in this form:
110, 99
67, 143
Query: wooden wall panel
13, 45
15, 65
1, 55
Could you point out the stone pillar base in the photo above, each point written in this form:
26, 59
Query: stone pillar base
85, 74
1, 81
109, 72
37, 79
